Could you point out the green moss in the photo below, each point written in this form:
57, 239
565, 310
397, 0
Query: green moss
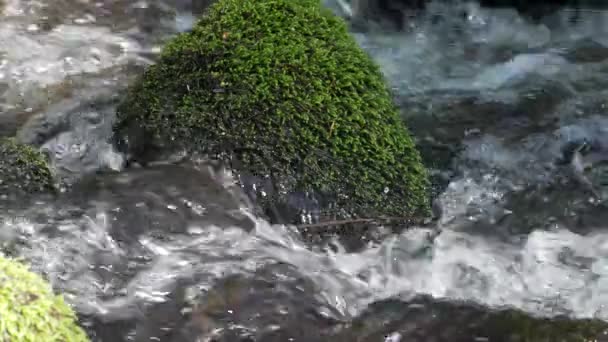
520, 327
23, 169
30, 312
281, 87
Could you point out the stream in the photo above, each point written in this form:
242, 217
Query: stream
492, 101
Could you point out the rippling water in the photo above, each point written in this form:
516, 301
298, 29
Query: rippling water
491, 99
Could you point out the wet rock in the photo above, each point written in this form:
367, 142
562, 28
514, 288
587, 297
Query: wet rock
74, 129
41, 69
445, 124
273, 304
424, 319
374, 171
388, 14
145, 200
586, 51
560, 204
16, 114
127, 240
541, 184
148, 16
533, 10
276, 304
394, 14
574, 195
517, 109
23, 170
352, 235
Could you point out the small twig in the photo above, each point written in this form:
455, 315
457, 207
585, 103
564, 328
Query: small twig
351, 221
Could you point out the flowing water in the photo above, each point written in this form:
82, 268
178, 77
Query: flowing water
171, 252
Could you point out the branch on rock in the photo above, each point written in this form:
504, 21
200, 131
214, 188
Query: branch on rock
377, 220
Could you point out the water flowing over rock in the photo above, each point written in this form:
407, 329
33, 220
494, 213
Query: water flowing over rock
509, 115
398, 14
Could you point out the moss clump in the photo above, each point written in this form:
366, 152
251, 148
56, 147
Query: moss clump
30, 311
520, 327
281, 87
23, 169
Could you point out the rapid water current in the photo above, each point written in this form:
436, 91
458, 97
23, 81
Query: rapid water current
491, 98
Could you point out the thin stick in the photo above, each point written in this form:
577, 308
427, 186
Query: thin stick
350, 221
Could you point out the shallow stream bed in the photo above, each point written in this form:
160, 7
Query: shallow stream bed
491, 99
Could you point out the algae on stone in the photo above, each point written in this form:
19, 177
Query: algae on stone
280, 88
30, 311
425, 318
23, 169
518, 326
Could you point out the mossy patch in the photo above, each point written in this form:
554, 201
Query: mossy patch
23, 170
425, 318
518, 326
30, 311
281, 90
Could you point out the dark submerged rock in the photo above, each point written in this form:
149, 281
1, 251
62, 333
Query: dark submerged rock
393, 14
282, 92
389, 14
586, 51
274, 304
144, 200
161, 203
277, 304
425, 319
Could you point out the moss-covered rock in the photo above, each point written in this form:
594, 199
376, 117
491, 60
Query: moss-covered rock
30, 311
281, 89
23, 169
429, 319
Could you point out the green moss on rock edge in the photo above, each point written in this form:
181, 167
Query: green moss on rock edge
281, 87
23, 169
426, 318
30, 311
518, 326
